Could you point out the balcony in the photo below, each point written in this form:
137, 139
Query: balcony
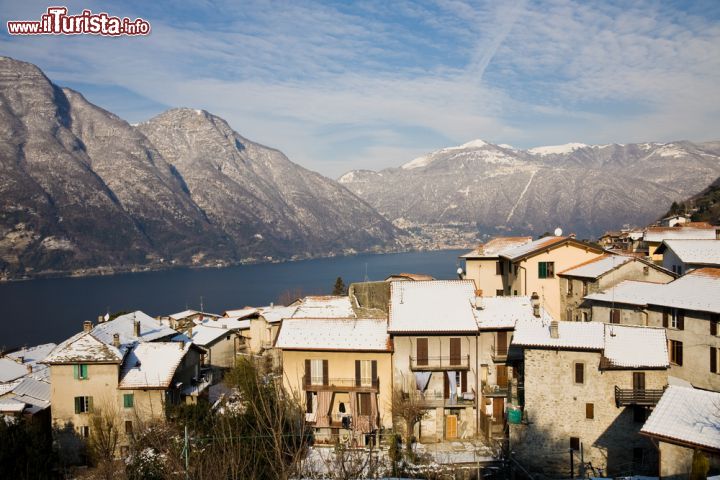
499, 355
440, 363
496, 391
341, 385
437, 399
644, 397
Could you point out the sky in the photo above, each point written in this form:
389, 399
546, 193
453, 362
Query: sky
343, 85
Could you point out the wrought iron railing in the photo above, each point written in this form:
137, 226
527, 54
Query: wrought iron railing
449, 362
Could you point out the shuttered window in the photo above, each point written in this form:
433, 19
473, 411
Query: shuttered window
499, 267
579, 373
546, 269
676, 352
614, 315
128, 400
317, 372
713, 360
365, 371
638, 380
455, 348
502, 376
502, 343
83, 404
364, 403
714, 324
589, 411
422, 351
80, 372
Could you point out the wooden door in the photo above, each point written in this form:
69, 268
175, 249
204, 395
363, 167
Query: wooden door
638, 380
502, 376
422, 352
451, 427
455, 351
499, 409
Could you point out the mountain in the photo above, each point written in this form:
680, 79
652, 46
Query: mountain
585, 189
704, 206
82, 190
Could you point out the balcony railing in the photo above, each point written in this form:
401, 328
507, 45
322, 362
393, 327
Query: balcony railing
639, 396
341, 384
460, 362
490, 390
499, 354
437, 399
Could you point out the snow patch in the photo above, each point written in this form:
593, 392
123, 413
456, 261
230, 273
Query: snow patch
347, 178
417, 163
506, 146
670, 150
477, 143
556, 149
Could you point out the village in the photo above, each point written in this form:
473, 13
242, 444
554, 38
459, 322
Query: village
548, 358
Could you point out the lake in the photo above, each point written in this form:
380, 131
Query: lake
52, 309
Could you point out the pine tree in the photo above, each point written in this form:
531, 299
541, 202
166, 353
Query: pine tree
339, 288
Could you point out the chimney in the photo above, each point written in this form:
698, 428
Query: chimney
116, 340
87, 326
29, 368
535, 301
554, 329
101, 319
136, 328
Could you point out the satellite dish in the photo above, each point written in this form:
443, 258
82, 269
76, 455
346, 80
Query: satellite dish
558, 232
459, 271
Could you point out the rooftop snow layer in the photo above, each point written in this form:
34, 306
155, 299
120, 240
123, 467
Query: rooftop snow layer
631, 346
152, 365
597, 266
84, 348
703, 252
686, 415
658, 234
356, 334
528, 248
203, 335
324, 306
151, 329
432, 306
496, 246
503, 312
571, 335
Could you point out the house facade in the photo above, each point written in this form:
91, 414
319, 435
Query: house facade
682, 256
435, 337
688, 308
599, 274
484, 267
341, 370
586, 388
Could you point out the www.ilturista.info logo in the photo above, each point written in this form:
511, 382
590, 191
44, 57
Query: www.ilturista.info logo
57, 22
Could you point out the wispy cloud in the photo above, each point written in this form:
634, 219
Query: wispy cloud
339, 86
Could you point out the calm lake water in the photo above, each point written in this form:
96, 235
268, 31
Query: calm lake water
50, 310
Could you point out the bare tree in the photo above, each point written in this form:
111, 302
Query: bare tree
104, 438
408, 408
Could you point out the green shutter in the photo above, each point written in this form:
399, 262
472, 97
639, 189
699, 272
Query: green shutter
76, 372
128, 400
84, 372
77, 404
542, 270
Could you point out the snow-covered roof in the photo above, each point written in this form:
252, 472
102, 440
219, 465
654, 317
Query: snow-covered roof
432, 306
240, 312
631, 346
84, 348
686, 415
537, 246
230, 323
324, 306
31, 356
658, 234
11, 369
11, 405
409, 276
571, 335
495, 246
274, 314
151, 329
183, 314
700, 252
152, 365
33, 391
698, 290
203, 335
503, 312
356, 334
597, 267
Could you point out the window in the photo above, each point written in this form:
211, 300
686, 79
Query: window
364, 403
714, 320
589, 411
80, 372
499, 267
546, 269
646, 270
579, 373
674, 318
584, 288
365, 372
585, 317
128, 400
84, 431
714, 359
455, 351
316, 372
575, 443
676, 352
614, 315
422, 351
83, 404
128, 427
569, 287
515, 292
499, 293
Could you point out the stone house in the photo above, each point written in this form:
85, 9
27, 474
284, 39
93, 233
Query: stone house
219, 343
653, 237
341, 370
435, 338
599, 274
585, 390
681, 256
484, 266
688, 308
685, 421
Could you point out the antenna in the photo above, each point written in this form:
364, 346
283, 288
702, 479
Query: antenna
201, 304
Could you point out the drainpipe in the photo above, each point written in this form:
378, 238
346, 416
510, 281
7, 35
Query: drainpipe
524, 278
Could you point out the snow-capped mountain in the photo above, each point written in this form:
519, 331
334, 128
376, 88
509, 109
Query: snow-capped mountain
81, 188
586, 189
